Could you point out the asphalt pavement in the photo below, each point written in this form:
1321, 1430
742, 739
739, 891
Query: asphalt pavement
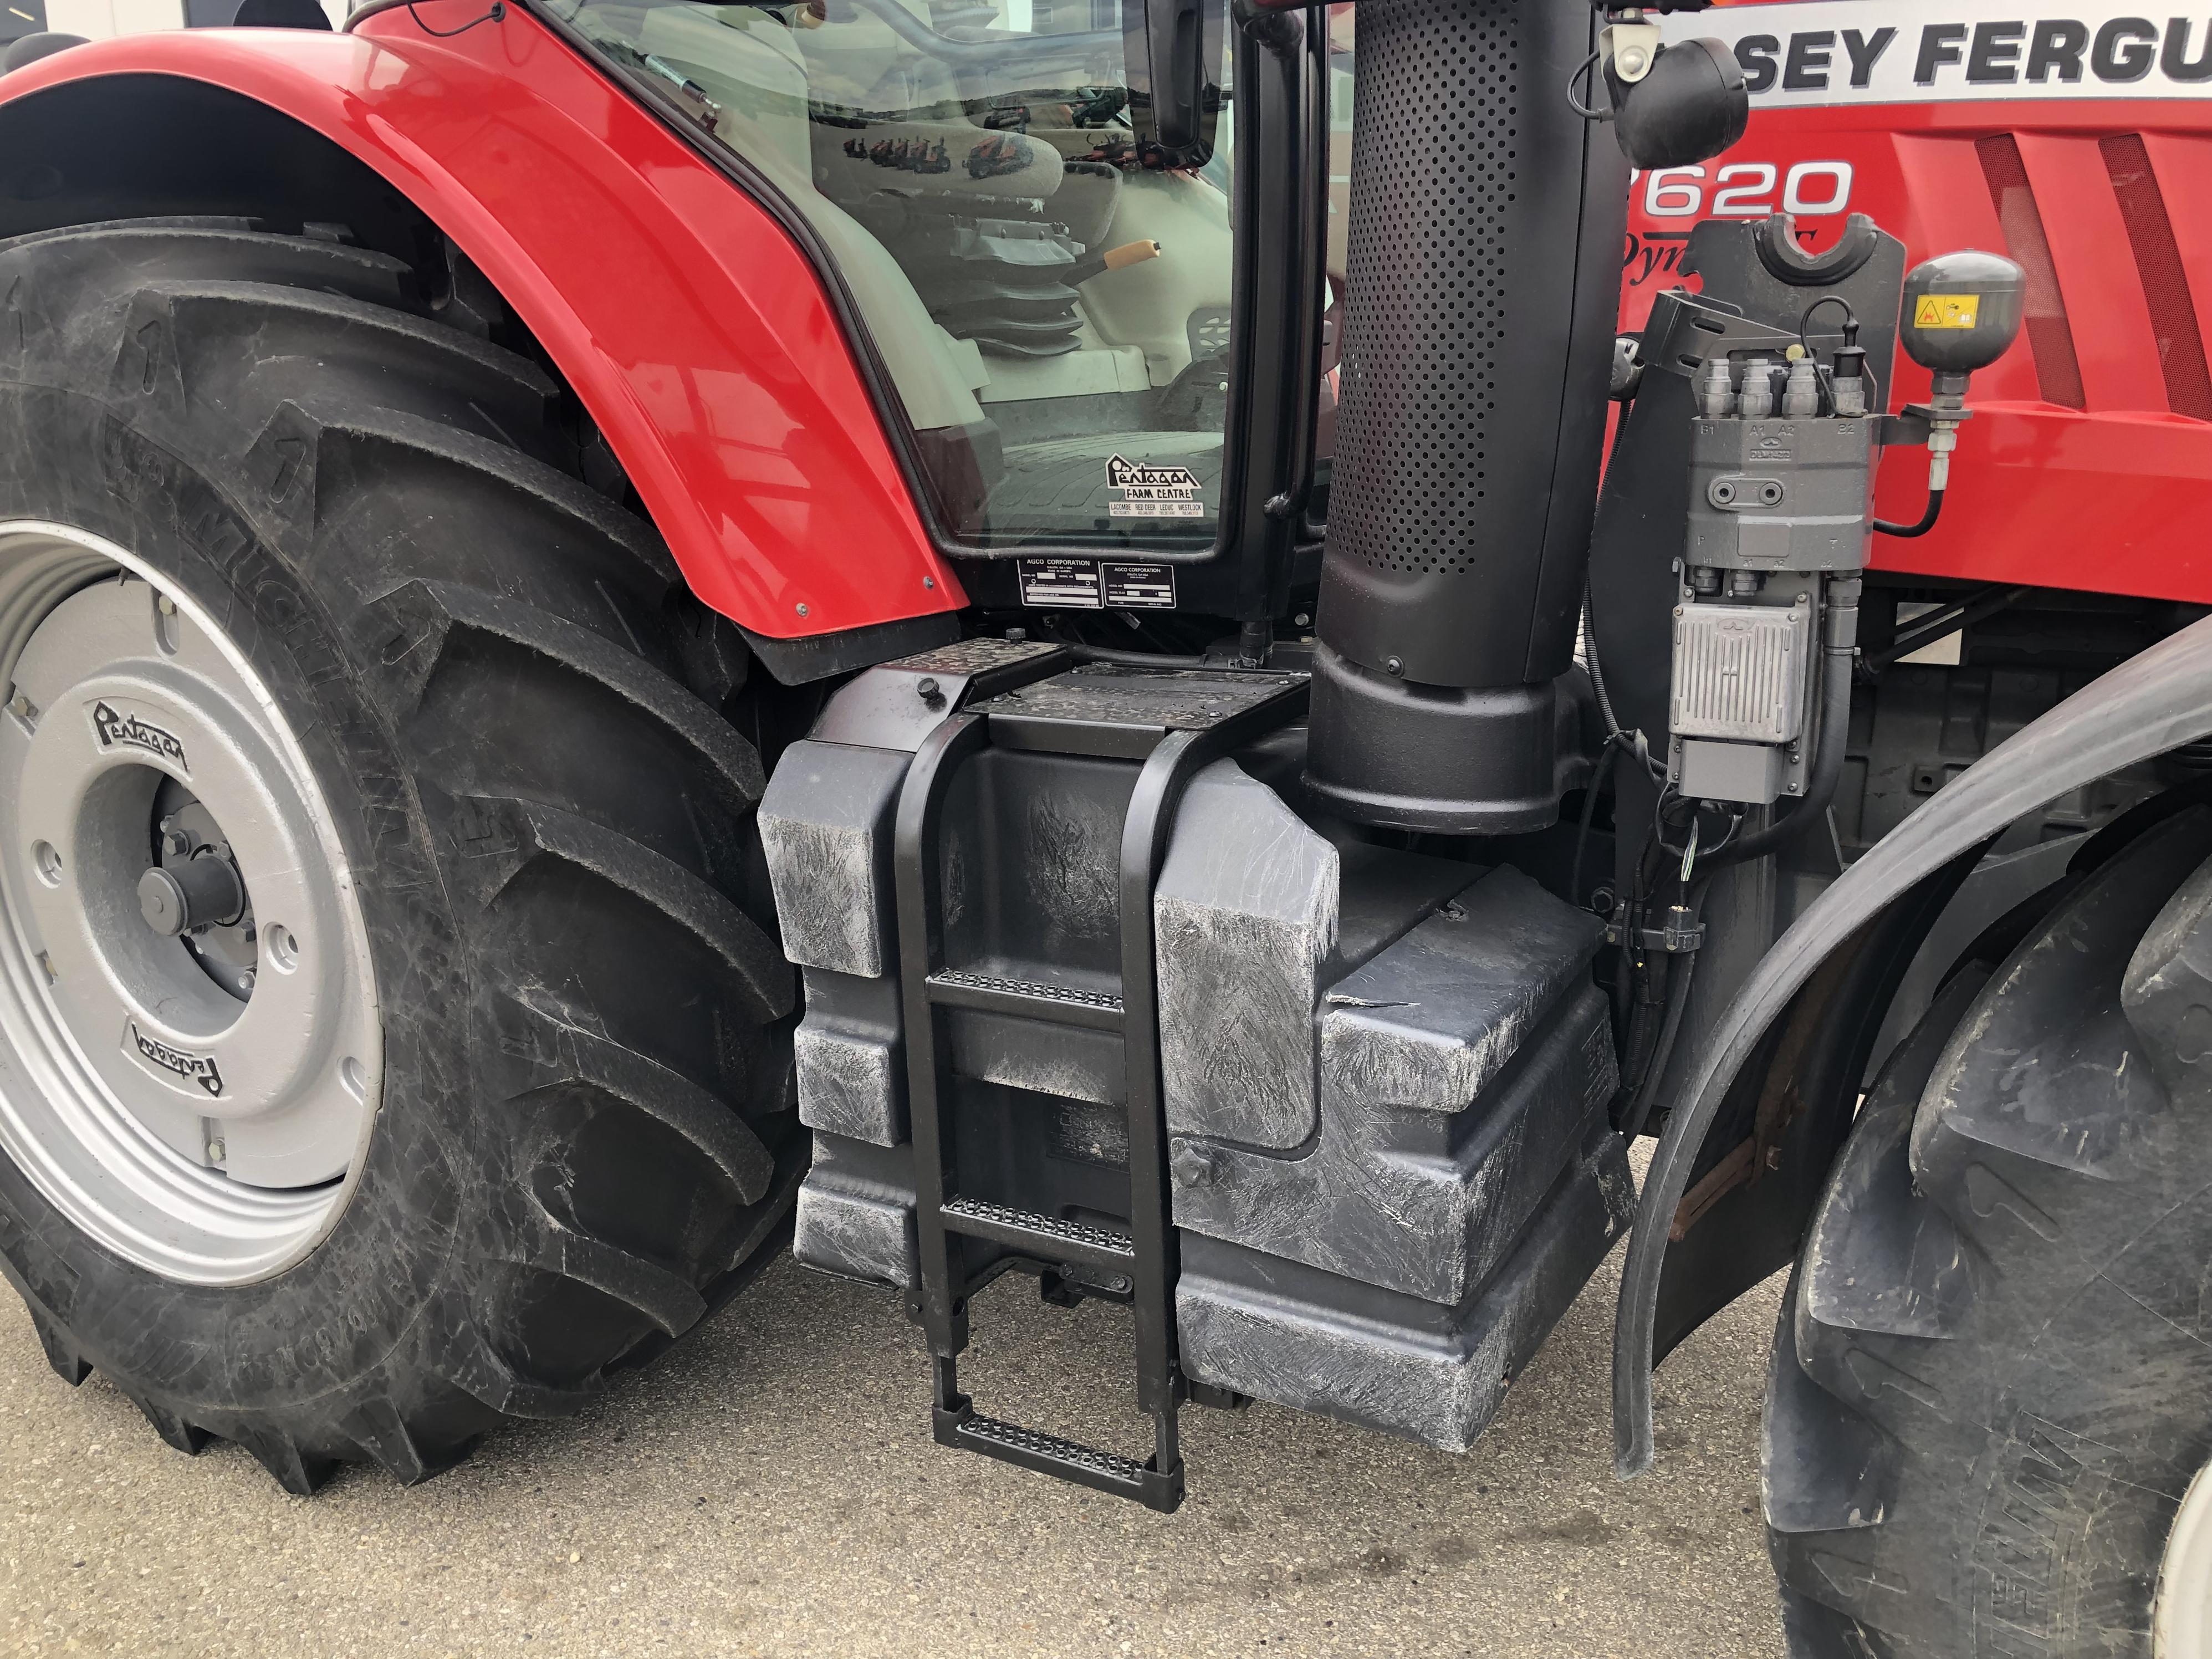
771, 1488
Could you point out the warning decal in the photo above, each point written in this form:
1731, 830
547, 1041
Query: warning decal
1143, 491
1948, 311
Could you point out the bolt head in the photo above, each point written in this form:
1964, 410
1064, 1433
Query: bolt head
1195, 1166
1396, 667
929, 582
802, 607
217, 1151
161, 902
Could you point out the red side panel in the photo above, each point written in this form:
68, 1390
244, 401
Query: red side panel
695, 330
2089, 463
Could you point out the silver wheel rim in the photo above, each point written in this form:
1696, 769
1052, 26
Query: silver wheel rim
2182, 1623
195, 1101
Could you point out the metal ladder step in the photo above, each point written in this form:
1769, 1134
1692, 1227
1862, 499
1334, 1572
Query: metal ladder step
1195, 720
1068, 1460
1048, 1238
1061, 1005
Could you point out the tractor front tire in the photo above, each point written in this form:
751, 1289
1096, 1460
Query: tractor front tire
1988, 1416
298, 574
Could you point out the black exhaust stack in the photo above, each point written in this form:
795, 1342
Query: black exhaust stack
1487, 220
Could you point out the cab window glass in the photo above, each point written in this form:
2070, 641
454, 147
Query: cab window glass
1051, 305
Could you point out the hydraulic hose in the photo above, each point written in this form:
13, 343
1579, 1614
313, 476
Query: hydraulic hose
1130, 659
1933, 511
1679, 974
1842, 634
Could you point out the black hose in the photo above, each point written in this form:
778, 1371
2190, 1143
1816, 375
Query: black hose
1129, 658
1812, 806
1598, 776
1679, 976
1645, 1020
1907, 531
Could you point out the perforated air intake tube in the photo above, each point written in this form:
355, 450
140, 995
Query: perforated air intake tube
1487, 223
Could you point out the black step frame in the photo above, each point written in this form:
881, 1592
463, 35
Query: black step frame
941, 1294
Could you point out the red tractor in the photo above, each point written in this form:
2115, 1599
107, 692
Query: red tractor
635, 632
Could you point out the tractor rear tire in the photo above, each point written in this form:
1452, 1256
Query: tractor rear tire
1988, 1414
581, 1131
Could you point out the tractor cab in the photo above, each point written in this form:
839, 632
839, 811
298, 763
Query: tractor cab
1046, 289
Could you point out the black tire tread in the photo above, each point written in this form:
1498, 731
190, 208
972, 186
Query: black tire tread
360, 398
1945, 1226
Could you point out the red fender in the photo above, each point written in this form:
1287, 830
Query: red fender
697, 333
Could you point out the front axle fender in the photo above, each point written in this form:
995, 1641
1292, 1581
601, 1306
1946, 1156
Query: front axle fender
2147, 705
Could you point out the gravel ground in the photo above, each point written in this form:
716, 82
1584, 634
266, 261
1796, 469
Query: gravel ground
771, 1489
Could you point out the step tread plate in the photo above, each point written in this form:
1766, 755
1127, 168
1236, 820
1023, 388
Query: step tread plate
1006, 1224
1065, 1004
1107, 709
1049, 1453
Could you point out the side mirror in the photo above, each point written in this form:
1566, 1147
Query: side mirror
1173, 50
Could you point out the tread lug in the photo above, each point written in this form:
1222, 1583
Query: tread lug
62, 1354
174, 1430
512, 834
558, 1054
408, 630
298, 1472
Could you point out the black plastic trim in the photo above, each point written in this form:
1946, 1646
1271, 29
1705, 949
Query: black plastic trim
817, 656
1776, 240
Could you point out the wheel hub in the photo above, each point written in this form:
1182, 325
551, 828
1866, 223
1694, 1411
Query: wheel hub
186, 973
